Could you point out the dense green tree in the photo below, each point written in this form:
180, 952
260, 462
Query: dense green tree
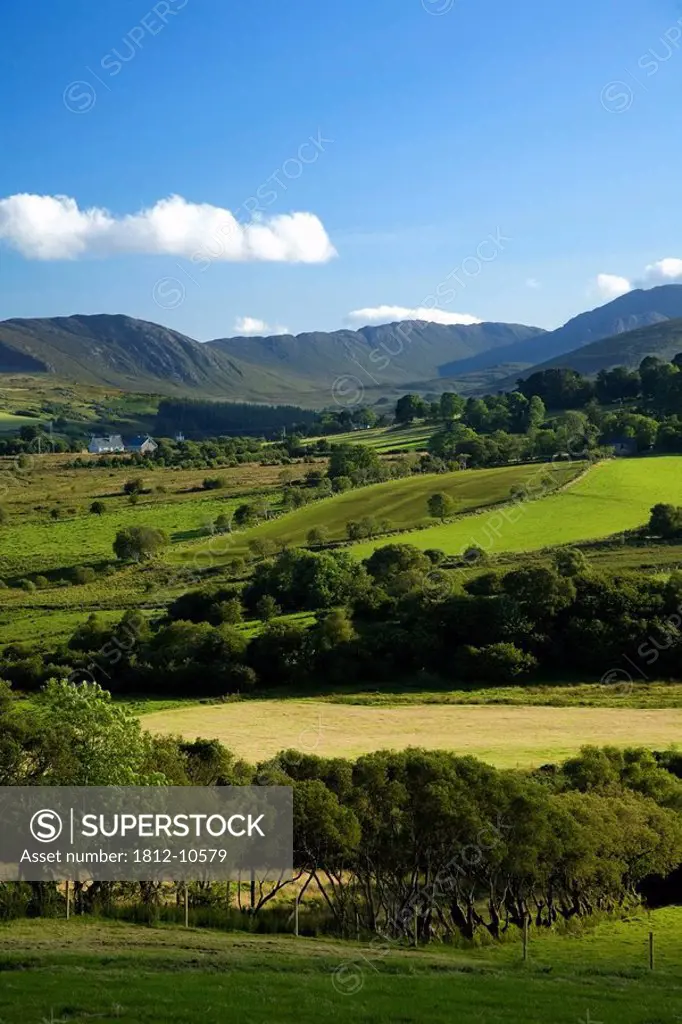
409, 408
440, 505
138, 543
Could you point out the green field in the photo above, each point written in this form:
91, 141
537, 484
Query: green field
402, 502
10, 423
385, 439
85, 970
613, 496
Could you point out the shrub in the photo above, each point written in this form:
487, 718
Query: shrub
496, 663
41, 582
134, 486
317, 536
223, 523
267, 608
475, 555
229, 611
570, 562
138, 543
27, 585
98, 508
83, 574
440, 506
214, 483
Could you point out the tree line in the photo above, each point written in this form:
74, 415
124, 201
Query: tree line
402, 614
417, 843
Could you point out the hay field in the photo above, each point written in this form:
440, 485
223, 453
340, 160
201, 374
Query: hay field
501, 735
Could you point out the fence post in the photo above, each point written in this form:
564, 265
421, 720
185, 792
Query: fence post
186, 906
651, 951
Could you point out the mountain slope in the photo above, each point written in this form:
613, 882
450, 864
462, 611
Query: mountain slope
662, 339
637, 309
394, 353
137, 355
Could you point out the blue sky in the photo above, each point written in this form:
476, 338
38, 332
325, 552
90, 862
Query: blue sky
438, 124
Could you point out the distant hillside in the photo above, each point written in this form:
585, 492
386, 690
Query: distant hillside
662, 339
396, 353
137, 355
640, 308
134, 355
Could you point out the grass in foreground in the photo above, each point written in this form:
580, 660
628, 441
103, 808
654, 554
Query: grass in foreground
84, 970
613, 496
505, 736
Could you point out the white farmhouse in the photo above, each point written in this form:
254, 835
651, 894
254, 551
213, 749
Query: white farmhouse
106, 445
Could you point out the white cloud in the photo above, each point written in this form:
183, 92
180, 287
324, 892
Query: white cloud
532, 282
247, 326
54, 228
611, 286
667, 269
389, 314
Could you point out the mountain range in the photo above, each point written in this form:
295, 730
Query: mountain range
136, 355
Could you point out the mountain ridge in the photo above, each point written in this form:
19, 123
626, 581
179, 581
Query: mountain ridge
138, 355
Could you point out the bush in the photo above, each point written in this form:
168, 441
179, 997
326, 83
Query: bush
267, 608
229, 611
223, 523
317, 536
98, 508
475, 555
665, 521
440, 506
27, 585
41, 582
494, 664
139, 543
214, 483
134, 486
435, 556
570, 562
83, 574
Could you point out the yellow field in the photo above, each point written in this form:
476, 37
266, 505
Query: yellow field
502, 735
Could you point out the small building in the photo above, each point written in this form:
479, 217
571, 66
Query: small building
142, 445
625, 446
106, 445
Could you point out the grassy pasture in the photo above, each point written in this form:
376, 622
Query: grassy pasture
385, 439
32, 542
43, 546
113, 972
48, 483
505, 736
10, 423
613, 496
403, 502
